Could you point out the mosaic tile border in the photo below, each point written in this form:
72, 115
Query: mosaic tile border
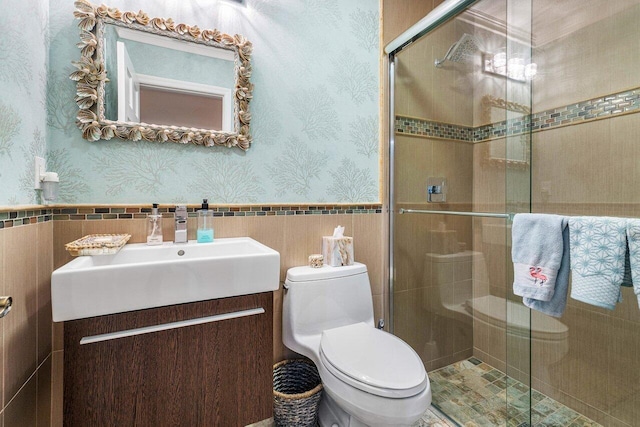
414, 126
69, 213
608, 106
24, 217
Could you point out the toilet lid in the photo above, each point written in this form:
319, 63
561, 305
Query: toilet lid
373, 360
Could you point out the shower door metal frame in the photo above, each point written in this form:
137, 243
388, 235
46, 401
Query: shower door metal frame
442, 13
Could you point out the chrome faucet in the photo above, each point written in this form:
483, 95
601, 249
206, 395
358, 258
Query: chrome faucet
180, 224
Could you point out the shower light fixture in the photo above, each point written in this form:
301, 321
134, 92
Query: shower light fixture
514, 67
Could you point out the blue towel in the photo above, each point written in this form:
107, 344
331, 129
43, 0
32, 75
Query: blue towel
633, 239
537, 251
555, 307
598, 247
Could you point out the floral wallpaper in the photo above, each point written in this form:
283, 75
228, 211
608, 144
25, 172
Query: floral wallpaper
315, 111
23, 79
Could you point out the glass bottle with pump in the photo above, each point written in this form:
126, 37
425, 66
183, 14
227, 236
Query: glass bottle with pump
154, 227
205, 224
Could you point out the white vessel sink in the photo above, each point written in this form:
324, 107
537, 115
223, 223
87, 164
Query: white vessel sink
141, 276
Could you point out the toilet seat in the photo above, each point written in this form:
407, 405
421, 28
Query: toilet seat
373, 361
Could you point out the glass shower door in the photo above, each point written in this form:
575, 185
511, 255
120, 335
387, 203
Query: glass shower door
458, 169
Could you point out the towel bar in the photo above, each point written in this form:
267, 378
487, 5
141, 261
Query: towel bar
475, 214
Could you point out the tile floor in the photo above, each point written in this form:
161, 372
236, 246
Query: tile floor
431, 418
473, 394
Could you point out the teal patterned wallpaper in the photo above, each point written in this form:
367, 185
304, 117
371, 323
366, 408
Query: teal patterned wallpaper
23, 77
315, 112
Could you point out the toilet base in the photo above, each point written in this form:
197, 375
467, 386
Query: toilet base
331, 415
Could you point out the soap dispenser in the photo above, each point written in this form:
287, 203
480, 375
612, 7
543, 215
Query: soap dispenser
205, 224
154, 227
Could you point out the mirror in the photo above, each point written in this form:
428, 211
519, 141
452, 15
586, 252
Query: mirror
498, 113
150, 79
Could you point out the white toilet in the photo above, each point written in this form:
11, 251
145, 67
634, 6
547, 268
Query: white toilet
370, 377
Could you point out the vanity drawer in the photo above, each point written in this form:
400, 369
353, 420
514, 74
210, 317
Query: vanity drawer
199, 364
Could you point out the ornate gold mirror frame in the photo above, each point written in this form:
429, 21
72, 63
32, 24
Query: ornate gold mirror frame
91, 76
488, 104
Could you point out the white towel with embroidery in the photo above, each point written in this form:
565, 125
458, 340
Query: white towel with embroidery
537, 252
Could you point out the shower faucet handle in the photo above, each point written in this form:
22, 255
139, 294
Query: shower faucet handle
436, 189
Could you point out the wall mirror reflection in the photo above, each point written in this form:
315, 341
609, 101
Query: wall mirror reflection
152, 79
500, 113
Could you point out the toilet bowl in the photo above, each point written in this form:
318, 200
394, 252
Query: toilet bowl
370, 377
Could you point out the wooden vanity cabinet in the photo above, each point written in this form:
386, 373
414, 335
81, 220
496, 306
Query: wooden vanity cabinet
209, 374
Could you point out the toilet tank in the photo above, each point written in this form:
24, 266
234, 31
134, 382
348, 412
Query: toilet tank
316, 299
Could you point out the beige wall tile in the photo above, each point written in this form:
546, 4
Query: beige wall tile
582, 371
270, 231
401, 321
623, 371
580, 65
454, 161
303, 235
22, 409
20, 326
136, 227
413, 160
57, 367
45, 268
64, 232
378, 309
368, 245
169, 227
58, 336
411, 243
44, 397
280, 351
229, 226
399, 15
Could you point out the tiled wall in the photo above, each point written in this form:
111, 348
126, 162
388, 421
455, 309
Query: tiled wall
584, 167
26, 238
585, 158
602, 343
26, 263
295, 236
602, 107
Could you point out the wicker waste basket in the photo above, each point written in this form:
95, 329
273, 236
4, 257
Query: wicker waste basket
297, 390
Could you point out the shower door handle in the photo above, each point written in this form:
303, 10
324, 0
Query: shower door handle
5, 305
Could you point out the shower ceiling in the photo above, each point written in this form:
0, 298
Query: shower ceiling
552, 19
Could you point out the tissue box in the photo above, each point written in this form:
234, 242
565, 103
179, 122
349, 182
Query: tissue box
337, 251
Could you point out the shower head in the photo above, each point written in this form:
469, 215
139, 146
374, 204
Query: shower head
460, 50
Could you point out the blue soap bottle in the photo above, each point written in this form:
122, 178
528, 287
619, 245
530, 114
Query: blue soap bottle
205, 224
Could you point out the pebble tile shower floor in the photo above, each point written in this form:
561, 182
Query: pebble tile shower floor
473, 394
